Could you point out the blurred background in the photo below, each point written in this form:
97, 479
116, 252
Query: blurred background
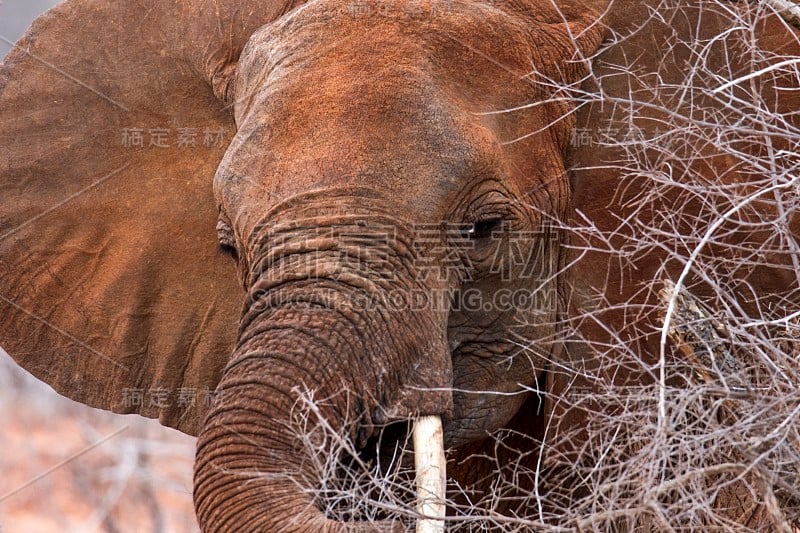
65, 467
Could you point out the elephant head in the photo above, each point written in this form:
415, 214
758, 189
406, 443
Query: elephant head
360, 205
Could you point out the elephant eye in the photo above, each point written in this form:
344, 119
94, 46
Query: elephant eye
484, 229
227, 244
229, 250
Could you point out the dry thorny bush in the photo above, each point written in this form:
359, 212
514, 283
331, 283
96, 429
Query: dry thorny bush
705, 441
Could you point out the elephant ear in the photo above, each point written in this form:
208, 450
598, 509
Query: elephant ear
112, 288
691, 110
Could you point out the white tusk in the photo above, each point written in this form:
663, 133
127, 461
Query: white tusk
431, 474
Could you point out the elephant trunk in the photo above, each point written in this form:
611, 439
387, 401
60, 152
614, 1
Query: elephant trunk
253, 471
359, 366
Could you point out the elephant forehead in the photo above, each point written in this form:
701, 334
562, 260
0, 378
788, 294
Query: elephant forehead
331, 44
395, 130
370, 107
328, 97
424, 155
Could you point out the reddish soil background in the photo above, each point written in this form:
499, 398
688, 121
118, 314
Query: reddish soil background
68, 467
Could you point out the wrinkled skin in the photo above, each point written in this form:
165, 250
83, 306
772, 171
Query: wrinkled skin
362, 161
325, 139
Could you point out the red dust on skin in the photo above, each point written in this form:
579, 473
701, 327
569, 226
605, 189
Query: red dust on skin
139, 297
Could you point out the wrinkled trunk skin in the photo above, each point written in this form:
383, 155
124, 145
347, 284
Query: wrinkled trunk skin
251, 466
301, 334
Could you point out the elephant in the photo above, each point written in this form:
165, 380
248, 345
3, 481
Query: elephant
252, 220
